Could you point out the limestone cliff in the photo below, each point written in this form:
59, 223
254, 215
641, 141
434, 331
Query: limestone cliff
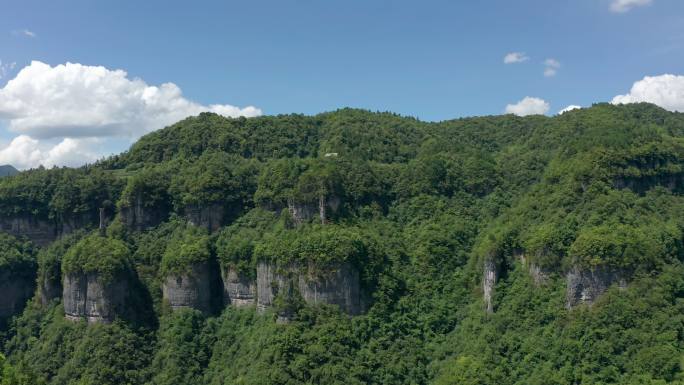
489, 278
89, 297
584, 286
49, 289
210, 217
44, 231
136, 215
16, 289
539, 275
338, 284
305, 211
191, 289
238, 289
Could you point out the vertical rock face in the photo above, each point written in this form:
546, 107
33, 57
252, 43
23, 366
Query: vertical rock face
139, 217
49, 290
238, 290
88, 296
269, 282
488, 281
189, 290
210, 217
338, 285
585, 286
304, 212
16, 290
41, 232
539, 275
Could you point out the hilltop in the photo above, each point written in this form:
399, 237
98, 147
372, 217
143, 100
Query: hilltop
355, 247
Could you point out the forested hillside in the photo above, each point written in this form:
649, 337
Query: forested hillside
354, 247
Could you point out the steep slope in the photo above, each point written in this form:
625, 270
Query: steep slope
354, 247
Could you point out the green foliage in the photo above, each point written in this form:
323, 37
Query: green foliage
16, 256
235, 244
421, 206
187, 246
99, 255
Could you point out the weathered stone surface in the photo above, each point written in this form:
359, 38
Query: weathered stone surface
16, 290
137, 216
539, 275
88, 296
39, 231
337, 285
49, 289
584, 286
489, 279
43, 231
670, 181
210, 217
305, 211
189, 290
238, 290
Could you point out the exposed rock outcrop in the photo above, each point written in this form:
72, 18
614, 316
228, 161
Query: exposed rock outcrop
39, 231
305, 211
89, 296
191, 289
539, 275
584, 286
43, 231
138, 216
338, 284
489, 278
16, 290
49, 289
671, 181
210, 217
238, 289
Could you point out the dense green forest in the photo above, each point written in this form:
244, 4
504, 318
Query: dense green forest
421, 213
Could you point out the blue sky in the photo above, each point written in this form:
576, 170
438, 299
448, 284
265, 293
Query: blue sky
431, 59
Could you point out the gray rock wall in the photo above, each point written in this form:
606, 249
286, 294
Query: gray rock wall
189, 290
337, 285
16, 290
49, 289
210, 217
42, 231
87, 296
489, 278
39, 231
305, 211
584, 286
238, 290
139, 217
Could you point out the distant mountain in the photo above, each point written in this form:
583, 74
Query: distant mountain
8, 170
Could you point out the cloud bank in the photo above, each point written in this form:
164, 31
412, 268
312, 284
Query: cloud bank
69, 106
528, 106
666, 91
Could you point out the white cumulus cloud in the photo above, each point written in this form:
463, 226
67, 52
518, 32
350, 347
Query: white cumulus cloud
76, 100
622, 6
569, 108
59, 112
528, 106
666, 91
515, 57
551, 67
